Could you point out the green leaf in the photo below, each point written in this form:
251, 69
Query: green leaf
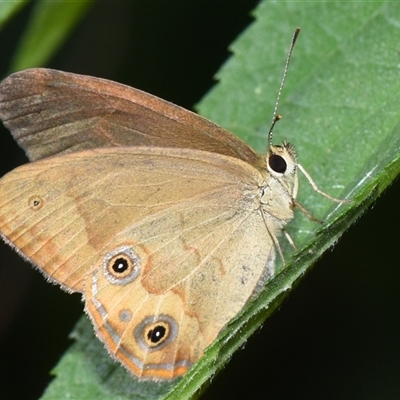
8, 9
49, 26
87, 372
340, 107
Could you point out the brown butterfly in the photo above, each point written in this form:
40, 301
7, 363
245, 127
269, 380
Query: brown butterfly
165, 222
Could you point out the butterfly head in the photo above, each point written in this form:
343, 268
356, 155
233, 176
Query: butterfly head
281, 160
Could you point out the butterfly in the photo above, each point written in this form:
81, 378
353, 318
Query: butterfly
165, 222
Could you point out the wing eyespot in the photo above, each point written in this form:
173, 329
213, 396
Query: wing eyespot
125, 315
156, 332
121, 265
35, 202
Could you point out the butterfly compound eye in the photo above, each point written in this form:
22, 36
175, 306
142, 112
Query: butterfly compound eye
277, 163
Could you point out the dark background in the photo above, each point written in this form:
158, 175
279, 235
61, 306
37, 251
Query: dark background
337, 336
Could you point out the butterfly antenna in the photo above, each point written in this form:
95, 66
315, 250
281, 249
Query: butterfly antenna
276, 117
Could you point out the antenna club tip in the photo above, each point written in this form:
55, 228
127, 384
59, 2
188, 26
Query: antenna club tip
295, 35
278, 117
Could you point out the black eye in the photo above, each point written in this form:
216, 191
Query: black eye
277, 163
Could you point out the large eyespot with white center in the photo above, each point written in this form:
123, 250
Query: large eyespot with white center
156, 332
121, 265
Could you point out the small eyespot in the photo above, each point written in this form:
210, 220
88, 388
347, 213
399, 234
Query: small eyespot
121, 266
35, 203
155, 332
277, 163
125, 315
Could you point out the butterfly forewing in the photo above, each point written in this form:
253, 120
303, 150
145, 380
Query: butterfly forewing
51, 112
